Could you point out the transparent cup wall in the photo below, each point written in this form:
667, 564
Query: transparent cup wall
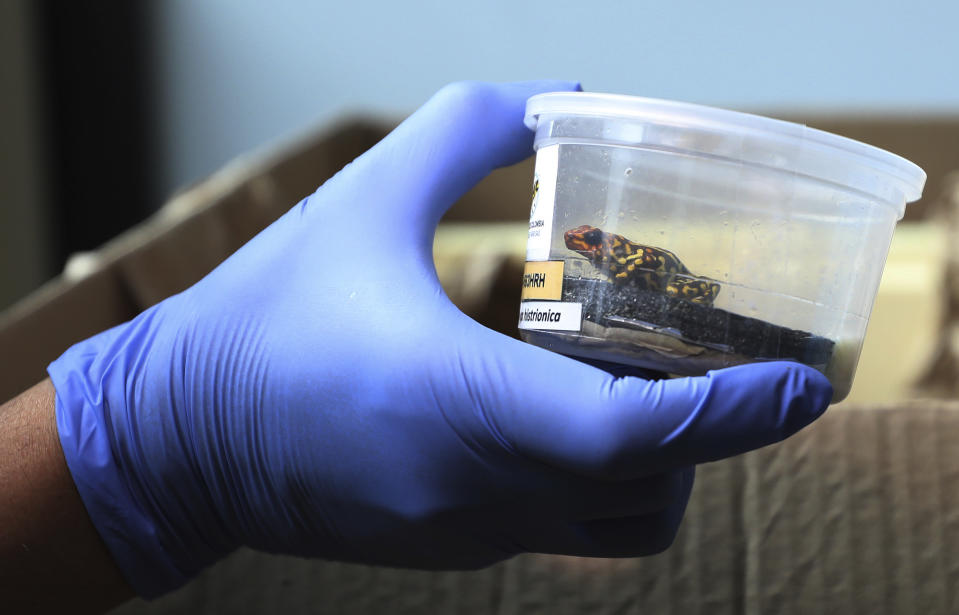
786, 250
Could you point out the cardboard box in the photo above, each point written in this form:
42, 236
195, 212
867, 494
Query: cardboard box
858, 514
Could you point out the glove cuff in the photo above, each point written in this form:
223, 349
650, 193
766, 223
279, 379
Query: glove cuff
88, 378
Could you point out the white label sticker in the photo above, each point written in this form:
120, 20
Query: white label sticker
541, 211
550, 315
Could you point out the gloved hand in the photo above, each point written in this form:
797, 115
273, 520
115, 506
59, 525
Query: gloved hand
318, 394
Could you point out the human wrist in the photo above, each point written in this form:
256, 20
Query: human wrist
51, 557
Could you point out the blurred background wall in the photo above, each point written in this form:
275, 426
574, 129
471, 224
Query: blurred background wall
25, 236
235, 73
111, 106
77, 154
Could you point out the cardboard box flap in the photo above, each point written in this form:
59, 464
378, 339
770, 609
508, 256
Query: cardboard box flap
181, 243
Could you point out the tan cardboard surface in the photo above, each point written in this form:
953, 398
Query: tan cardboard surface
857, 514
940, 375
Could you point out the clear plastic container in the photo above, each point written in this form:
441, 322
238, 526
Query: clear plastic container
684, 238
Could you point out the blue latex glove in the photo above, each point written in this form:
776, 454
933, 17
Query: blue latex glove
318, 394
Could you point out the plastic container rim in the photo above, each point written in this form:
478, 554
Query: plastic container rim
694, 116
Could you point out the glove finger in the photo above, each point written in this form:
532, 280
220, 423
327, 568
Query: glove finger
618, 370
633, 536
581, 419
459, 136
586, 499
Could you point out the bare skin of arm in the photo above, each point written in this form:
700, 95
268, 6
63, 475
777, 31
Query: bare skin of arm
51, 557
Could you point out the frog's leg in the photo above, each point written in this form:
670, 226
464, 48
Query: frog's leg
693, 289
631, 267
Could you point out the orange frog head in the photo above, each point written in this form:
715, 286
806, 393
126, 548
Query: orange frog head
587, 240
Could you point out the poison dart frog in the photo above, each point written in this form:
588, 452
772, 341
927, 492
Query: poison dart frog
648, 268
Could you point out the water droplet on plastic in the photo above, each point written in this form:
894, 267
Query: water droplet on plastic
628, 172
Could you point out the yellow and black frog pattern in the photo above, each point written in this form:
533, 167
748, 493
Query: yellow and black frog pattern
646, 267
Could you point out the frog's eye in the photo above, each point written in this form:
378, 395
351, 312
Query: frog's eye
594, 236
